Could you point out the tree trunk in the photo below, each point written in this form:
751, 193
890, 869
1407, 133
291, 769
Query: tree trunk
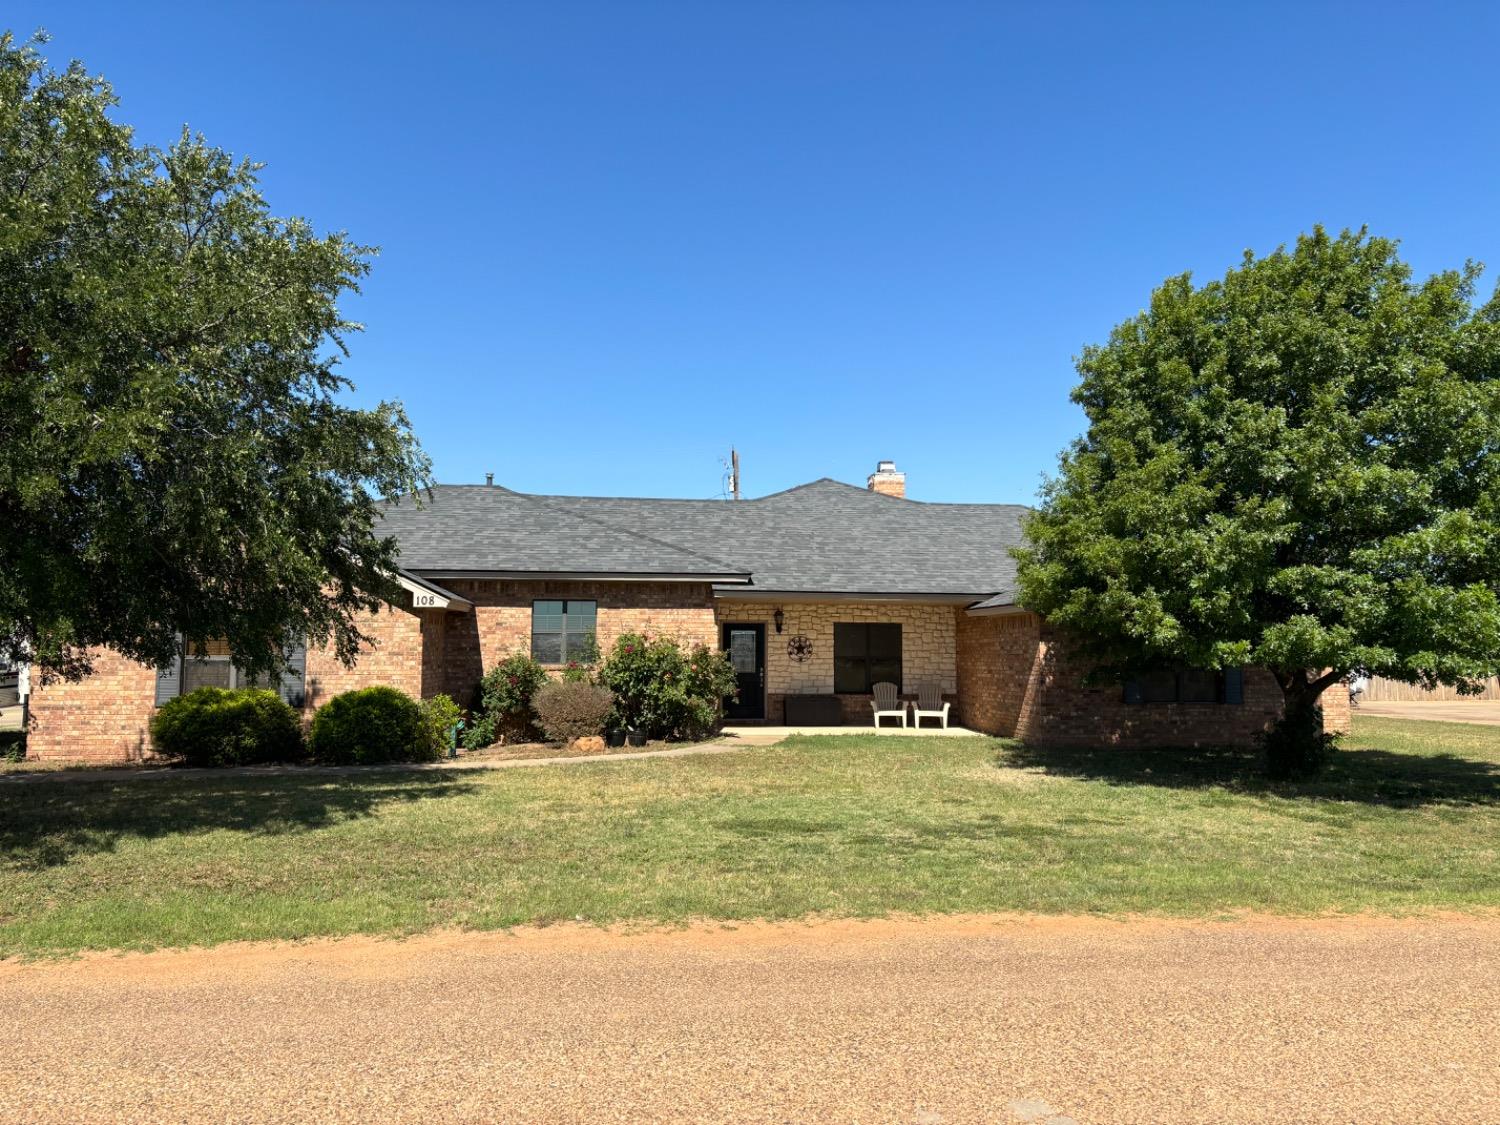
1297, 745
1297, 691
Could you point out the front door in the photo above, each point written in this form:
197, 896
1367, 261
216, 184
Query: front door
746, 646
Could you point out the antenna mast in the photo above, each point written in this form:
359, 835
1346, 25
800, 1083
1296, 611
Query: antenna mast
734, 473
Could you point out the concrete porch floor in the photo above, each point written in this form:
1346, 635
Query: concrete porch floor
759, 734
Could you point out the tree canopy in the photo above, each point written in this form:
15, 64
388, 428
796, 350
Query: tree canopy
174, 457
1292, 467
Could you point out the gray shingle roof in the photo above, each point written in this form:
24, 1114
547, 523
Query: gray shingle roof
823, 537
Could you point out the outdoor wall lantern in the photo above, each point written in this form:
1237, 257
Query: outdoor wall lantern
779, 617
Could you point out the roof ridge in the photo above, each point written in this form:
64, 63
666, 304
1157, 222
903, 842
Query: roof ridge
730, 568
798, 488
545, 497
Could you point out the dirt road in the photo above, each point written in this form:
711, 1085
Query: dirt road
1485, 712
948, 1020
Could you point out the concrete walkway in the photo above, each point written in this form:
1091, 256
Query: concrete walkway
1060, 1021
1485, 712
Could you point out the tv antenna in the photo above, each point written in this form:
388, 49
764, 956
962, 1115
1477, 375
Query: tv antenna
729, 485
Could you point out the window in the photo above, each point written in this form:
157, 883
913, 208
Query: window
865, 655
1185, 685
215, 668
562, 631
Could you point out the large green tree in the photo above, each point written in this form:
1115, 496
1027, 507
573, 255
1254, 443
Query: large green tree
1295, 467
174, 457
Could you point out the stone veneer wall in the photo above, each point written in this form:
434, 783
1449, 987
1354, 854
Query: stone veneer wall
102, 718
1018, 678
927, 648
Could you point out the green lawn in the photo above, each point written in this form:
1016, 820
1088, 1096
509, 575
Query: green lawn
1408, 820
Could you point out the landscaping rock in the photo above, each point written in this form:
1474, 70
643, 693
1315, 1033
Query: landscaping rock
592, 743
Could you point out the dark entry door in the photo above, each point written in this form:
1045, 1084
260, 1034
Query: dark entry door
746, 646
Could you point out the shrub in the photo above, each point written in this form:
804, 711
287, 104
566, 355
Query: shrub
568, 709
505, 702
710, 681
439, 714
227, 727
1296, 745
369, 725
662, 690
12, 746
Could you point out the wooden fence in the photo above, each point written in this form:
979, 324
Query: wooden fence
1390, 691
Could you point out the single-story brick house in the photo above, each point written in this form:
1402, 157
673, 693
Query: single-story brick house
818, 591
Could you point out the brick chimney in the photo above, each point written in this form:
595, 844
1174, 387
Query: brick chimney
887, 481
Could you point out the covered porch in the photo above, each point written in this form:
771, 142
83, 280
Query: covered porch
809, 663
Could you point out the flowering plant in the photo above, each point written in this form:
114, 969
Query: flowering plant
505, 695
664, 690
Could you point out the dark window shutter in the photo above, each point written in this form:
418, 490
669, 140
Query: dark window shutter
1133, 692
1234, 685
294, 678
169, 679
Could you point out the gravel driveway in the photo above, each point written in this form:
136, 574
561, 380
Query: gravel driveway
947, 1020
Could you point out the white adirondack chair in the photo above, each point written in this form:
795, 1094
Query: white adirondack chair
930, 705
887, 702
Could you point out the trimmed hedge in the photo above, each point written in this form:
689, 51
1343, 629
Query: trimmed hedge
368, 726
227, 727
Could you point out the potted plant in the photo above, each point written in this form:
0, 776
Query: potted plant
635, 737
615, 736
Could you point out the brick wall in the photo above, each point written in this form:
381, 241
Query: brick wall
501, 622
1338, 715
399, 657
1018, 677
997, 659
103, 718
927, 648
106, 717
1012, 675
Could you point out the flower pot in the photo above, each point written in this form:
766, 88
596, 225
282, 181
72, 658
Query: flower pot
615, 738
636, 737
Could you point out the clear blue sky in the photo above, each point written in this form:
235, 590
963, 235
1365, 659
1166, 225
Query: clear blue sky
618, 238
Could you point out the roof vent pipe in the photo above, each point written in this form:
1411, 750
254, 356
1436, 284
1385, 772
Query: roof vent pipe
489, 479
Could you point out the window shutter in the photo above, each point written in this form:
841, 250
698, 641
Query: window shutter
1234, 685
169, 679
294, 678
1133, 693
